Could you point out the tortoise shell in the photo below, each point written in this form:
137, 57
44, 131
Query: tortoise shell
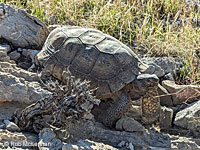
92, 55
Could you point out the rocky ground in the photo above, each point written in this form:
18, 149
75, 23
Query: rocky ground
21, 89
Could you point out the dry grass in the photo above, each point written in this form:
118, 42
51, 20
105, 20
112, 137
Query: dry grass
151, 24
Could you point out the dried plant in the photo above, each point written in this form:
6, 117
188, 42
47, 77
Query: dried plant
72, 101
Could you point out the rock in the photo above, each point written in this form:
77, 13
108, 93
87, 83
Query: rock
88, 130
169, 76
14, 55
161, 65
48, 140
2, 125
51, 20
166, 116
19, 49
134, 112
183, 143
30, 53
130, 146
87, 145
181, 93
165, 67
157, 70
138, 139
8, 108
10, 67
4, 49
19, 85
129, 124
10, 126
28, 59
86, 106
70, 147
21, 29
121, 144
3, 56
165, 99
17, 140
88, 116
188, 118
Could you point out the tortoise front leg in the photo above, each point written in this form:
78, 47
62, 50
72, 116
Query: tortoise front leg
150, 107
115, 112
145, 88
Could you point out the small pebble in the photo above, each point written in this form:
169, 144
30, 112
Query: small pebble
2, 125
5, 48
19, 49
11, 126
130, 146
122, 144
14, 55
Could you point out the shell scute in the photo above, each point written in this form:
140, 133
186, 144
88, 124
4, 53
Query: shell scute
74, 31
86, 59
108, 45
106, 67
92, 37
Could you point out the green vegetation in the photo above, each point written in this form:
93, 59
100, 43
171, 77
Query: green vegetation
148, 25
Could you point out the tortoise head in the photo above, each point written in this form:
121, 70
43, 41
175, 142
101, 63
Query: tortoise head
147, 81
40, 58
143, 84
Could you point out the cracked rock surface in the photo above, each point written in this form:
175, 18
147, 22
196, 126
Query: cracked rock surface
21, 29
18, 87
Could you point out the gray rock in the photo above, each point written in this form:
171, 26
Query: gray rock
19, 85
181, 93
138, 139
88, 130
129, 124
166, 67
166, 116
71, 147
4, 49
2, 125
17, 140
158, 70
48, 140
51, 20
20, 28
169, 76
14, 55
134, 112
161, 65
184, 143
30, 53
188, 118
8, 108
10, 126
130, 146
19, 49
165, 99
121, 144
87, 145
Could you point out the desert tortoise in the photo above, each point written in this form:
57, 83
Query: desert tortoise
107, 63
